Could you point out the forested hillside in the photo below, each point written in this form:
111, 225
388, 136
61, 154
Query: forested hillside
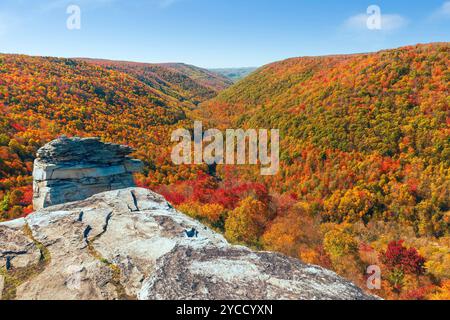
365, 162
43, 98
181, 81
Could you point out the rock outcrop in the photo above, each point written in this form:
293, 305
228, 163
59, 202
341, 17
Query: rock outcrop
131, 244
72, 169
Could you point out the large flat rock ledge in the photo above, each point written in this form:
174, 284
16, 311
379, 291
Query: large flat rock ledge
131, 244
73, 169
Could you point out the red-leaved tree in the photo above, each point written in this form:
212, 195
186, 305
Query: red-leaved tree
398, 257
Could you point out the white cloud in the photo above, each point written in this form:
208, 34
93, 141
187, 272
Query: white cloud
446, 8
442, 12
389, 22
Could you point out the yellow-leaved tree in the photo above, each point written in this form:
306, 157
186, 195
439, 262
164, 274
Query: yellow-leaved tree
245, 224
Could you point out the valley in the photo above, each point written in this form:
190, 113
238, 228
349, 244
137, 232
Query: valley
365, 153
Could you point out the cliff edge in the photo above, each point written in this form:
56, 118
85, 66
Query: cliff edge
131, 244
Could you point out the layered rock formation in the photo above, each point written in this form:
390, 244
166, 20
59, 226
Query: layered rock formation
131, 244
74, 169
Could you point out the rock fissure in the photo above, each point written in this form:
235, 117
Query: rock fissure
136, 205
86, 233
6, 253
14, 277
108, 218
116, 273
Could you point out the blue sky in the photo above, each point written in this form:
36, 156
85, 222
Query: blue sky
216, 33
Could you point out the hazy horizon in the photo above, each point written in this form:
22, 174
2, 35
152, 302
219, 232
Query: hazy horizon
221, 67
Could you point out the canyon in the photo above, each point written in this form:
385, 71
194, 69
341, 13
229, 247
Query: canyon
130, 243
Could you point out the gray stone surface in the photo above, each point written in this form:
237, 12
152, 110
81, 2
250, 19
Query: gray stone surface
130, 244
16, 246
72, 169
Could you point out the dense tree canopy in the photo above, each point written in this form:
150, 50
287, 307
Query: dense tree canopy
365, 151
43, 98
365, 143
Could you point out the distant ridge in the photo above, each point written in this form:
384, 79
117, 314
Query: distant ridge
182, 81
235, 74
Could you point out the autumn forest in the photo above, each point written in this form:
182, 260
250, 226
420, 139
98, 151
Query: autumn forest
365, 151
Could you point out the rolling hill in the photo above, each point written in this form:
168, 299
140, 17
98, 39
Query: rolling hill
365, 156
375, 122
181, 81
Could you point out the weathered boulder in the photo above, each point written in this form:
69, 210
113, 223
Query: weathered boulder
72, 169
131, 244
